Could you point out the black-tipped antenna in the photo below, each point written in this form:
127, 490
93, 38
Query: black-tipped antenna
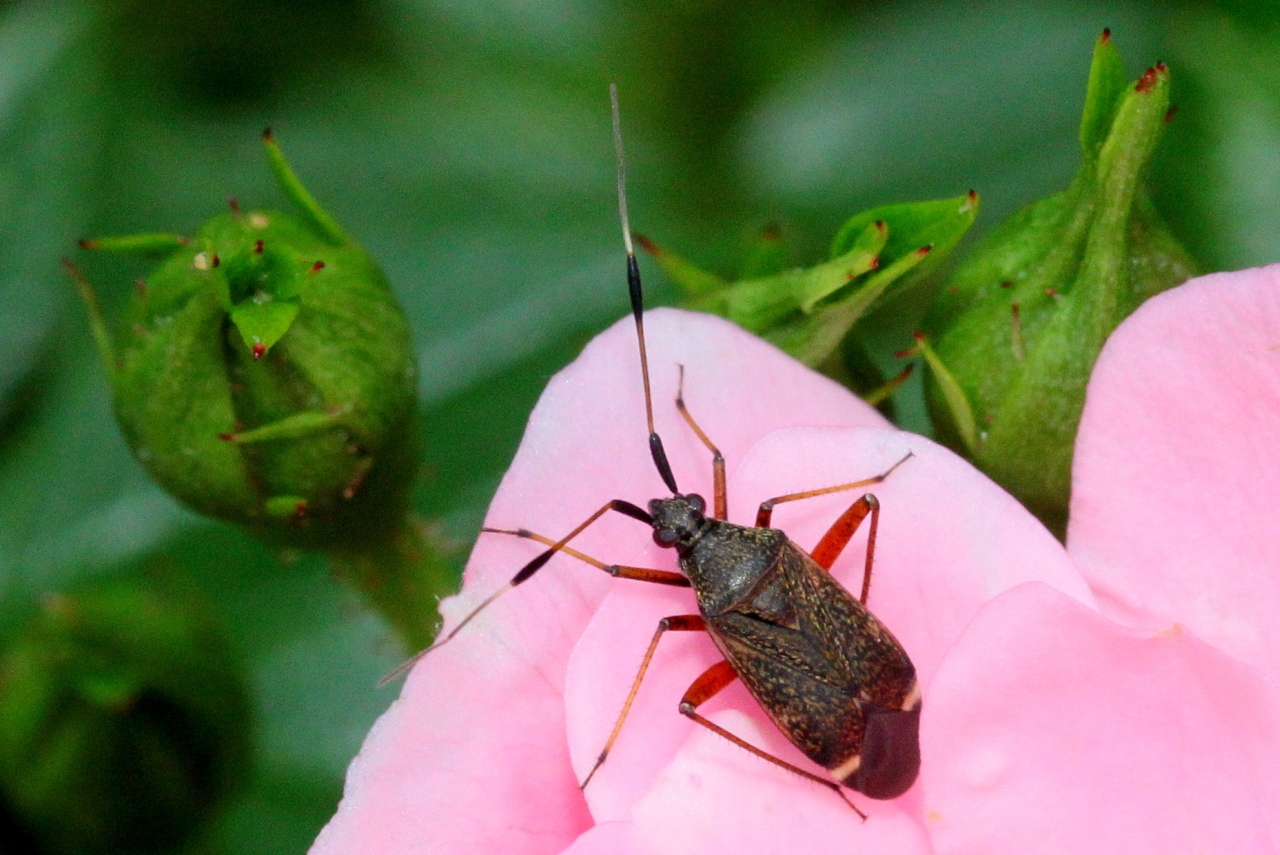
637, 299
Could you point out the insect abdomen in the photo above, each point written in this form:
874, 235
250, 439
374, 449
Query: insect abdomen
828, 673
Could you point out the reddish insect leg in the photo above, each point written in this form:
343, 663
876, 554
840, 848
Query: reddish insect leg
839, 535
765, 515
525, 573
678, 623
717, 459
621, 571
708, 686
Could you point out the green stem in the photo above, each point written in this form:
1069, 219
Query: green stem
402, 576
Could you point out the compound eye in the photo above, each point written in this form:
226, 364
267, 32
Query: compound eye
665, 536
696, 502
653, 506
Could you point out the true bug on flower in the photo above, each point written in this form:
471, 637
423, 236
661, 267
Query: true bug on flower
831, 677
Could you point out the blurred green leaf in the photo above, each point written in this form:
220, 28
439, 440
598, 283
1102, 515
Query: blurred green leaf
121, 679
47, 148
1218, 172
765, 256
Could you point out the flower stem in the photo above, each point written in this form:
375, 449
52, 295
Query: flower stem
402, 577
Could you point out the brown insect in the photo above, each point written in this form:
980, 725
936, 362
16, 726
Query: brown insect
831, 677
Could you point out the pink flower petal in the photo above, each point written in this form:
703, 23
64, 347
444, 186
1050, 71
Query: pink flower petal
609, 838
1051, 729
474, 755
717, 798
463, 764
1177, 465
949, 540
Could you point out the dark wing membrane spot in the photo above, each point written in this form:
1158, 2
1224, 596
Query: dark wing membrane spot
890, 752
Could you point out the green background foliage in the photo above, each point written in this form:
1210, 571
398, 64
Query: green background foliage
467, 146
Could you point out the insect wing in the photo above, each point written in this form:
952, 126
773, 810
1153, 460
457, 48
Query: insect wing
828, 673
788, 675
870, 662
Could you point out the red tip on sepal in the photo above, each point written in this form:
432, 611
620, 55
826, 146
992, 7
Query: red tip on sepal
1106, 34
1170, 113
1148, 79
317, 267
266, 134
257, 247
228, 437
88, 243
259, 350
914, 350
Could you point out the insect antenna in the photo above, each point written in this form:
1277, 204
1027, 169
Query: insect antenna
413, 660
655, 441
637, 299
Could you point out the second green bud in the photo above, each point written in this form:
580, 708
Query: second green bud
1013, 338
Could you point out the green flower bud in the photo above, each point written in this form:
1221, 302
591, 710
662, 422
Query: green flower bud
808, 312
264, 374
124, 720
1014, 335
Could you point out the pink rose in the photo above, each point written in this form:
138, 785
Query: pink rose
1052, 721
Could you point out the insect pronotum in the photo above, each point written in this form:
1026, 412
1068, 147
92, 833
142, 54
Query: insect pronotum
831, 677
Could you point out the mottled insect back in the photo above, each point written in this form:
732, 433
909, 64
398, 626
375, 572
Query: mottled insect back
832, 678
